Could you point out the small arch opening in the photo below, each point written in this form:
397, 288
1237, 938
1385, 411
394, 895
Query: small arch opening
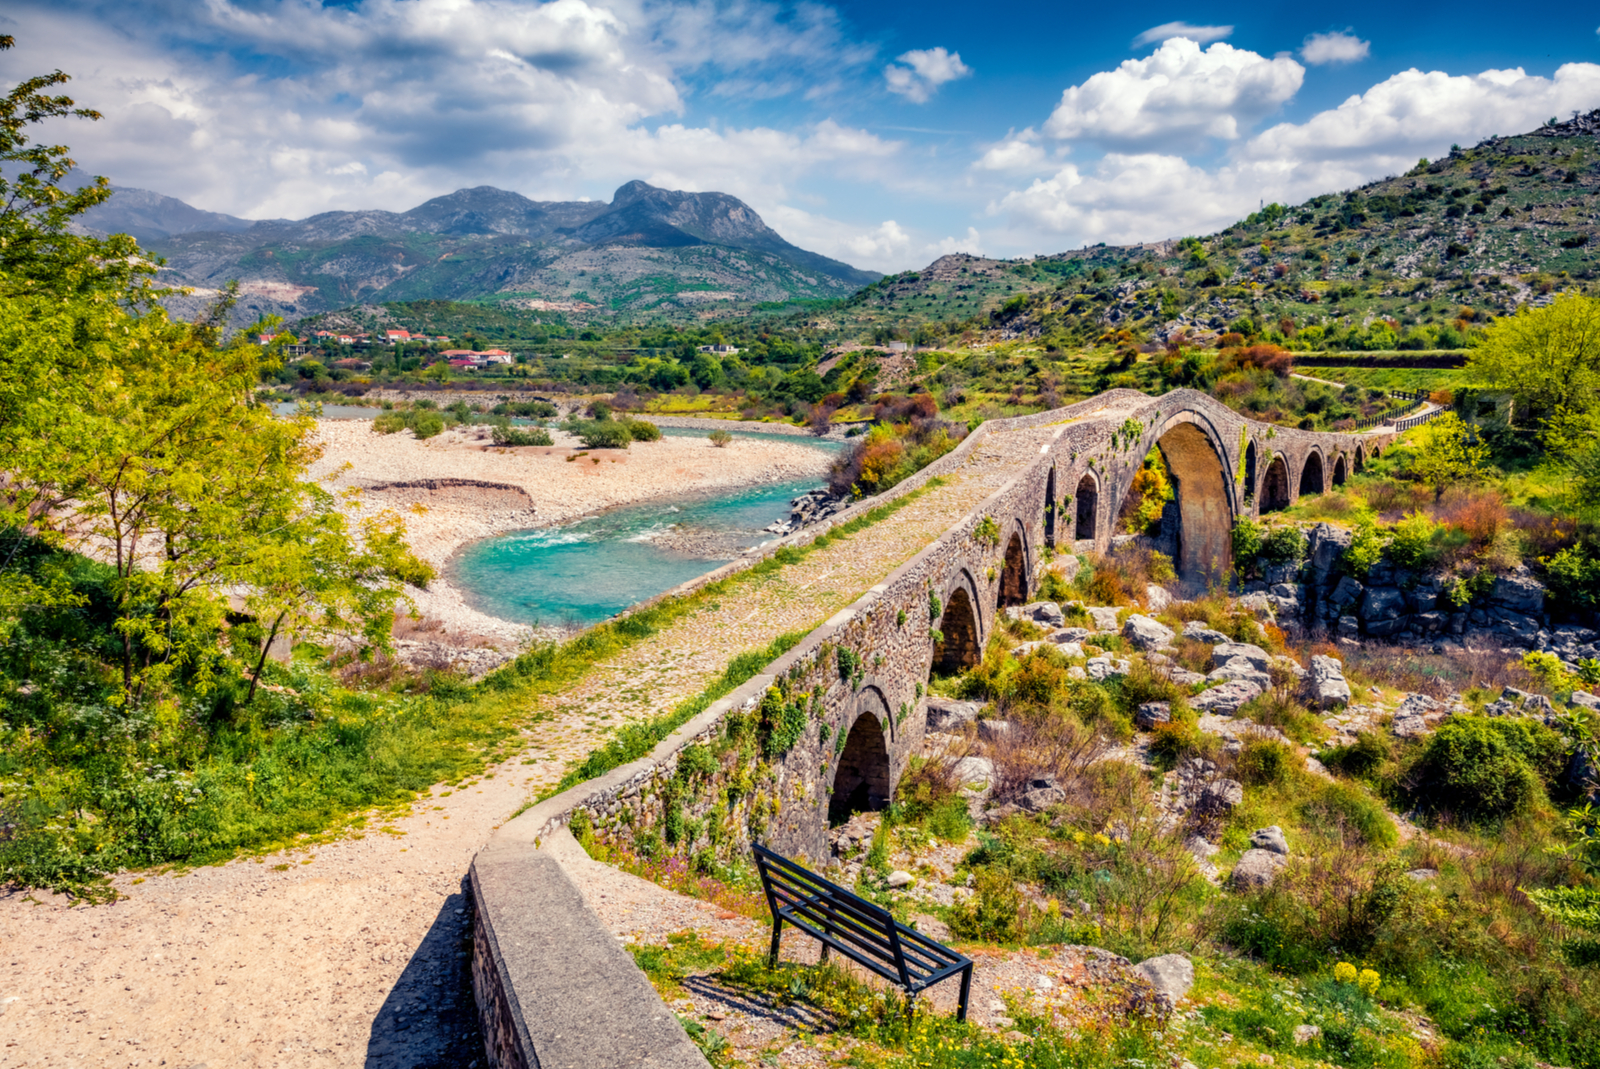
958, 647
861, 782
1360, 460
1275, 487
1250, 470
1050, 510
1339, 472
1088, 502
1014, 572
1312, 480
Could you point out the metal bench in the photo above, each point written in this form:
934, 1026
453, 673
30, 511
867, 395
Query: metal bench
866, 934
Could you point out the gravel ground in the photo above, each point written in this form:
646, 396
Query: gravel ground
351, 953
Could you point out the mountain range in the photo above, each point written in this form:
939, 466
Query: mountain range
648, 253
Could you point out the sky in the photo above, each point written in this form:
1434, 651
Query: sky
884, 134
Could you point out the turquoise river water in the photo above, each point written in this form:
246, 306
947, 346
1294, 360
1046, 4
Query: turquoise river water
586, 571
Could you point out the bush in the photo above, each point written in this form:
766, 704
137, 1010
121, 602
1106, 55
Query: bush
1262, 761
604, 434
1413, 543
521, 436
1284, 545
1344, 805
1362, 758
421, 420
1574, 578
1486, 769
720, 438
993, 913
1365, 549
641, 430
1246, 540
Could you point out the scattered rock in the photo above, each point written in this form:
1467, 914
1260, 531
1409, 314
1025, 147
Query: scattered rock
993, 730
1070, 649
1104, 667
1104, 617
1071, 634
1305, 1033
1226, 698
1038, 799
1201, 633
1146, 633
1156, 598
900, 878
974, 770
1258, 605
945, 714
1238, 668
1584, 700
1226, 651
1325, 685
1423, 875
1270, 838
1047, 613
1256, 868
1152, 713
1409, 727
1172, 975
1219, 797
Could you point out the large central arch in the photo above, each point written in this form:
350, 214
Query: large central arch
1014, 586
863, 779
1200, 482
960, 644
1087, 500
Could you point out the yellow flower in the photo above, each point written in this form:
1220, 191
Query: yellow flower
1369, 981
1344, 972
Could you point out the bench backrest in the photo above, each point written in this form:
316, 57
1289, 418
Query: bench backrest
860, 928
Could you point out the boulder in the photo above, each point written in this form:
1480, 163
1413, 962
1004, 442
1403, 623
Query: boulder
945, 714
973, 770
993, 730
1349, 626
1071, 634
1226, 651
1382, 603
1325, 686
1198, 631
1038, 799
1226, 698
1146, 633
1069, 649
1237, 668
901, 878
1219, 797
1171, 975
1305, 1033
1519, 592
1409, 727
1582, 699
1270, 838
1256, 868
1152, 713
1348, 592
1067, 567
1104, 667
1258, 605
1047, 613
1104, 617
1156, 598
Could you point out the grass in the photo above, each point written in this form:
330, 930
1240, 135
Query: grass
1401, 378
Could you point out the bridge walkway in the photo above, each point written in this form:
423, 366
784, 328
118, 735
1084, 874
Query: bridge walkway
653, 675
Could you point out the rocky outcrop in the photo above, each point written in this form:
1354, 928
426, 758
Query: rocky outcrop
1325, 685
1146, 633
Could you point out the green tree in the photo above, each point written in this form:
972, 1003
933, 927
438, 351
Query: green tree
1547, 358
1445, 454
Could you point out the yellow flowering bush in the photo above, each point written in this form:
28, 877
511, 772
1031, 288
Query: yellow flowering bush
1345, 973
1369, 981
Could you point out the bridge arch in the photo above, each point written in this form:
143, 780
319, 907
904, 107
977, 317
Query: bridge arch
1202, 484
1275, 485
960, 645
1340, 471
1361, 459
1250, 472
863, 778
1016, 569
1087, 506
1313, 474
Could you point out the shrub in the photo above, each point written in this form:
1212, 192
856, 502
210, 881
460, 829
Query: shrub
1347, 806
512, 436
604, 434
1246, 540
641, 430
1363, 758
1574, 577
1284, 545
1262, 761
1485, 769
993, 912
1412, 544
720, 438
1365, 549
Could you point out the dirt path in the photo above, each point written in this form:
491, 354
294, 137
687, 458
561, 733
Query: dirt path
355, 953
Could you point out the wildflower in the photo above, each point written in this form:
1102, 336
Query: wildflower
1345, 973
1369, 981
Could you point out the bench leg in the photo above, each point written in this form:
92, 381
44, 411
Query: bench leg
777, 933
966, 989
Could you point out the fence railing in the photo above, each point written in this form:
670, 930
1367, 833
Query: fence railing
1413, 397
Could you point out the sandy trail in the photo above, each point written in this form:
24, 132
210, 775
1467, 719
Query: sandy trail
354, 953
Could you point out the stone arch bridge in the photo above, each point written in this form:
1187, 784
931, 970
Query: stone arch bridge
859, 681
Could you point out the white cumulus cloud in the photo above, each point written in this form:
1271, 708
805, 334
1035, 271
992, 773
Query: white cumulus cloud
1202, 34
1016, 153
918, 74
1341, 47
1180, 94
